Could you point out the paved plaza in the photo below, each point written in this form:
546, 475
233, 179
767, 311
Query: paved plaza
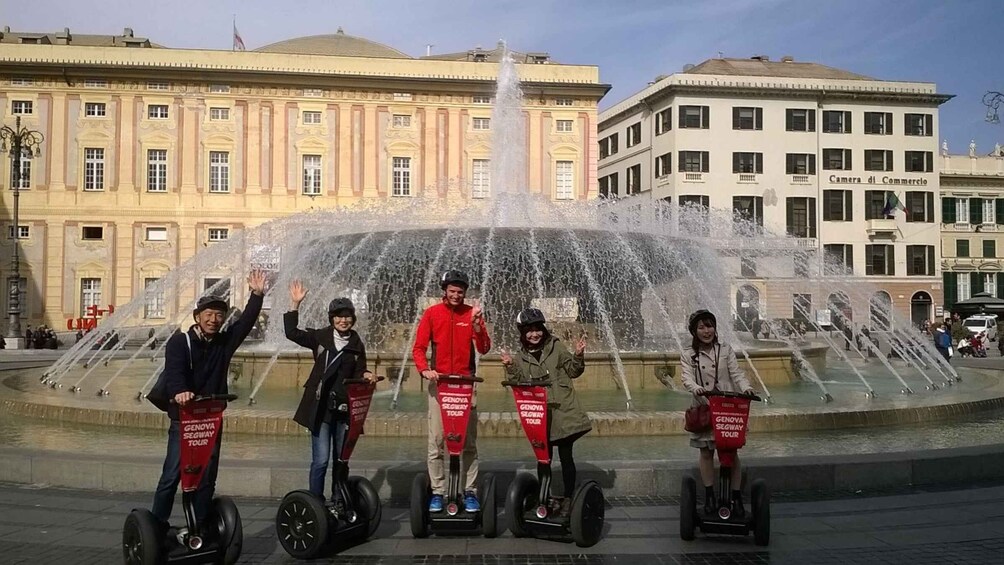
41, 524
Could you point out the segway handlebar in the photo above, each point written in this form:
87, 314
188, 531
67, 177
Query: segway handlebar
206, 397
461, 378
730, 394
362, 381
531, 382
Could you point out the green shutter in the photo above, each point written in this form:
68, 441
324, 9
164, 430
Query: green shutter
951, 289
976, 211
999, 210
976, 283
1000, 288
812, 217
948, 210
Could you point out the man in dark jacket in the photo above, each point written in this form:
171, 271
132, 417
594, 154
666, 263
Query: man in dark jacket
196, 363
339, 354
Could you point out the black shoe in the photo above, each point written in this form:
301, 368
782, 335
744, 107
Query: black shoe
710, 505
738, 511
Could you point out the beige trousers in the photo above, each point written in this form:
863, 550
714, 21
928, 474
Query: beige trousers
438, 458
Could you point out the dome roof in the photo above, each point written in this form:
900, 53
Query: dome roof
337, 44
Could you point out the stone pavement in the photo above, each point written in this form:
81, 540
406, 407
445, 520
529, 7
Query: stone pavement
40, 525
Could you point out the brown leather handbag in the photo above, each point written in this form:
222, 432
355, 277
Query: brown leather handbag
697, 419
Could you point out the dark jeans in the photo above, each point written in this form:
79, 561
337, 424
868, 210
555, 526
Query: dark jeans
944, 353
330, 436
163, 499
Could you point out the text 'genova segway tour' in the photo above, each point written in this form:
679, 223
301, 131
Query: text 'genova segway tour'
305, 523
455, 394
729, 419
529, 505
144, 541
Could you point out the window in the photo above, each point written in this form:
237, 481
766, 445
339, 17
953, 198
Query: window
219, 114
21, 107
22, 81
837, 159
217, 286
694, 117
94, 168
962, 284
94, 109
689, 200
401, 172
693, 161
801, 308
481, 178
563, 126
22, 232
875, 204
878, 160
747, 163
481, 99
156, 111
663, 165
312, 174
563, 180
800, 164
988, 210
481, 124
633, 180
919, 161
562, 101
989, 249
402, 121
880, 260
311, 117
918, 124
608, 186
920, 207
747, 118
634, 135
22, 292
219, 234
153, 306
839, 258
836, 121
95, 83
838, 206
402, 97
797, 119
698, 210
219, 171
608, 146
920, 260
962, 248
748, 209
989, 283
92, 233
313, 92
158, 86
962, 210
879, 123
801, 216
90, 294
156, 234
664, 121
156, 170
219, 88
747, 266
23, 180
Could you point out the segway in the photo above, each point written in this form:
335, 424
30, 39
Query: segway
528, 504
454, 393
144, 542
729, 419
305, 524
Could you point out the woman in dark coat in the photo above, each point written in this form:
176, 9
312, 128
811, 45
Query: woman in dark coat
544, 357
339, 354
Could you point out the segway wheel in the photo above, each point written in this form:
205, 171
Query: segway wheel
142, 539
522, 496
302, 524
688, 507
230, 529
489, 510
588, 508
366, 501
761, 512
419, 516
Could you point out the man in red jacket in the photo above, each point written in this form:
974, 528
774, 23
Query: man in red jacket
457, 333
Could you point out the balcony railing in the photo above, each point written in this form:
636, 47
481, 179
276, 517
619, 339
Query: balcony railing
747, 178
799, 179
960, 226
693, 177
882, 228
985, 227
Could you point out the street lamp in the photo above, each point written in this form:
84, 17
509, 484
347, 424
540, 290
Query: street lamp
22, 142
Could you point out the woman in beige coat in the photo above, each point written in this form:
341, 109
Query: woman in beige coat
710, 365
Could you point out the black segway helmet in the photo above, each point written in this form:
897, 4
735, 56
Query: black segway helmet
697, 317
458, 278
341, 307
211, 302
529, 317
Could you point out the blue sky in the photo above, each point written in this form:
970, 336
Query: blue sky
955, 44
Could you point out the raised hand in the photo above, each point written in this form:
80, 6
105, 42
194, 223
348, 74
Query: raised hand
580, 346
297, 292
257, 281
477, 317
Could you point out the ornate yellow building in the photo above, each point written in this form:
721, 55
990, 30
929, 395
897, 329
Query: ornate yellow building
151, 153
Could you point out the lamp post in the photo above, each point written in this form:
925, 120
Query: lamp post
22, 142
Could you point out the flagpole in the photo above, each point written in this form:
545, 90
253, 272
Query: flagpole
233, 35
